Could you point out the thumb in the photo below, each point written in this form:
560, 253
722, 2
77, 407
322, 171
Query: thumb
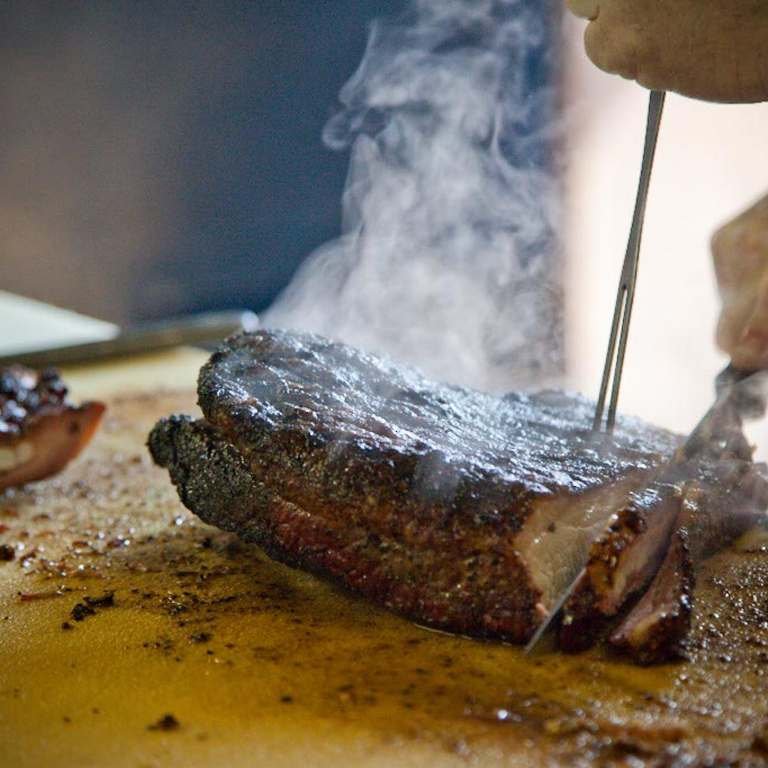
587, 9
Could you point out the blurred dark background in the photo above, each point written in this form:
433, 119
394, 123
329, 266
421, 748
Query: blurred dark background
166, 157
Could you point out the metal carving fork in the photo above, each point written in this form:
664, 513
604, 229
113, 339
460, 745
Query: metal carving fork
622, 313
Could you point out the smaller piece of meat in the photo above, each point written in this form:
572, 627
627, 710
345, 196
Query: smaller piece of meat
656, 628
621, 563
715, 510
40, 430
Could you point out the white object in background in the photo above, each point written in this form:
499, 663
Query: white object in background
28, 324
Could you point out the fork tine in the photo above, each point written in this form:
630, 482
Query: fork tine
622, 313
609, 355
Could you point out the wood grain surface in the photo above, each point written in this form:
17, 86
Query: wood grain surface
131, 634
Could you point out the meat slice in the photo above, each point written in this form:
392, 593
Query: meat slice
456, 508
656, 628
721, 504
621, 562
40, 431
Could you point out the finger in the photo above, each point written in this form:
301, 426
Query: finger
731, 324
751, 353
587, 9
753, 344
613, 47
726, 251
740, 252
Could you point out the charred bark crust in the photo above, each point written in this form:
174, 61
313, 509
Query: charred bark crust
437, 580
26, 395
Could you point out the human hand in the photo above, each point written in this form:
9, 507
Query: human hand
709, 49
740, 252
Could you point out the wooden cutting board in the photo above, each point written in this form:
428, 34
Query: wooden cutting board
131, 634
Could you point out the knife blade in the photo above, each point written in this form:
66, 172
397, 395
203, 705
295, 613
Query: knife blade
545, 625
148, 337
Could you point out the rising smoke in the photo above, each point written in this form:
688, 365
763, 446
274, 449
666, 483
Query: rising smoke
448, 257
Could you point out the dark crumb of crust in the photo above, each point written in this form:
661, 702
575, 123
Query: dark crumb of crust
286, 699
107, 600
760, 742
173, 606
81, 611
166, 723
66, 625
200, 637
90, 604
7, 553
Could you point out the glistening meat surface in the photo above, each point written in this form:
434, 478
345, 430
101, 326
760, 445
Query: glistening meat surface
456, 508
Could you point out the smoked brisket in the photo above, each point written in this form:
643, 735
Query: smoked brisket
459, 509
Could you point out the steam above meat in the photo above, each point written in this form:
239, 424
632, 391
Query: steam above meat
40, 431
449, 255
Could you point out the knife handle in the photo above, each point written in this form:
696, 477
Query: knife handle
750, 398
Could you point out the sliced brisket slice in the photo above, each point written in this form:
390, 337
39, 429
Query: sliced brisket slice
456, 508
40, 430
657, 626
621, 562
724, 502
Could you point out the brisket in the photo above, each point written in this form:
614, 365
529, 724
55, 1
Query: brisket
459, 509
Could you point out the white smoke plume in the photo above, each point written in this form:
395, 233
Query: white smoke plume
448, 258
